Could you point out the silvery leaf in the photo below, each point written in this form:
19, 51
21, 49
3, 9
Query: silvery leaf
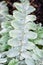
30, 10
19, 6
35, 57
26, 54
3, 60
29, 61
30, 26
14, 42
30, 35
13, 52
30, 18
17, 24
15, 33
18, 15
29, 46
38, 52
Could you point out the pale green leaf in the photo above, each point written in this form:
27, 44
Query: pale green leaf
39, 42
13, 62
30, 9
19, 6
31, 26
38, 52
30, 18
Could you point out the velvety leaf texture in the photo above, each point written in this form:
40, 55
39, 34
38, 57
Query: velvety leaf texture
22, 36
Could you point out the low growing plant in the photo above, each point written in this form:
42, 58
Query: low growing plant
22, 36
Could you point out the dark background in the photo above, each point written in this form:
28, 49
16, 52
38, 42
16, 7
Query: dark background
38, 4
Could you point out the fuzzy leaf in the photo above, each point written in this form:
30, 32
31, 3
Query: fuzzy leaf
18, 15
15, 33
30, 9
13, 62
29, 46
13, 52
14, 42
3, 60
26, 54
31, 26
29, 61
30, 18
18, 6
30, 35
38, 52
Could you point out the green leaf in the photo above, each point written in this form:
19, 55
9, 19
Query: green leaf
4, 39
5, 24
39, 42
13, 62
